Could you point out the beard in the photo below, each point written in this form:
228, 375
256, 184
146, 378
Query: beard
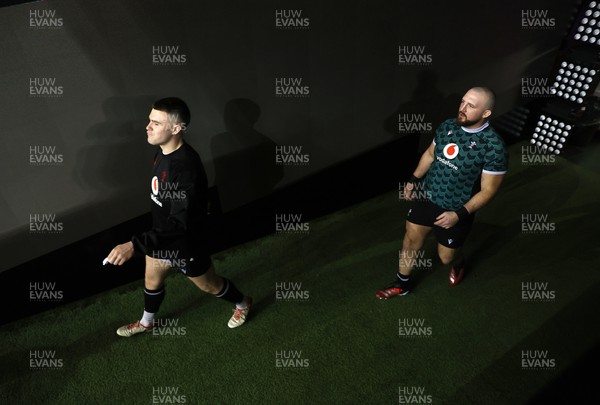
462, 120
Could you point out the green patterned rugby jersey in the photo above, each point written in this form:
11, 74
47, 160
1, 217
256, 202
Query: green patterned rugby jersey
460, 156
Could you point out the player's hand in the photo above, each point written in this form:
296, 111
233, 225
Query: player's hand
120, 254
408, 191
447, 219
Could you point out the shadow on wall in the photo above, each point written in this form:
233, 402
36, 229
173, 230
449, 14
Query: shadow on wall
428, 100
112, 169
244, 159
111, 161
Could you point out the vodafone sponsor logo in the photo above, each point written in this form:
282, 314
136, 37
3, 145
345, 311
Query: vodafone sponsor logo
451, 151
447, 163
166, 191
154, 185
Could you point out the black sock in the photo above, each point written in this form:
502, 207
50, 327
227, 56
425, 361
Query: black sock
230, 293
153, 299
403, 281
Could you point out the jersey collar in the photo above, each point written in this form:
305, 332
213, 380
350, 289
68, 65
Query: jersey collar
473, 131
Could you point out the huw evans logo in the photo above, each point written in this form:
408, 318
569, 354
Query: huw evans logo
290, 359
536, 87
535, 291
170, 257
417, 192
44, 291
536, 223
411, 55
533, 155
537, 19
537, 360
291, 19
44, 224
291, 156
291, 87
415, 258
168, 327
166, 191
45, 155
291, 291
44, 19
168, 55
290, 223
168, 395
408, 123
413, 395
44, 359
45, 87
413, 327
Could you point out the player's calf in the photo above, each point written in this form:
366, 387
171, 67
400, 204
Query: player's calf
225, 289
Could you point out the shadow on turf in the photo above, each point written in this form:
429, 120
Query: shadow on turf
484, 241
573, 384
97, 341
258, 306
487, 240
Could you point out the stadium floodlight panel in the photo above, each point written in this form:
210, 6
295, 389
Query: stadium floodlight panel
573, 81
550, 134
589, 27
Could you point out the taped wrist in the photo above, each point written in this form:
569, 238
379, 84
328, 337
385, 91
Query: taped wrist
414, 179
462, 213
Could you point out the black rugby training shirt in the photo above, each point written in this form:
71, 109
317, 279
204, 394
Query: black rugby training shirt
178, 194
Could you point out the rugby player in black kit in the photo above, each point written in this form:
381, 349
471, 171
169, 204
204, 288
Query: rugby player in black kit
178, 194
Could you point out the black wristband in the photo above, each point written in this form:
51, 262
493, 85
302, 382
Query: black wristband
462, 213
414, 179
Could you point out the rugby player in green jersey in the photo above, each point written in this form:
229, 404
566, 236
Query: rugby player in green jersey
458, 174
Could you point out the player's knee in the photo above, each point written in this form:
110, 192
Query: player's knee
411, 243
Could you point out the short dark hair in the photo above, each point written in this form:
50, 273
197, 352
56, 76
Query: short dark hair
176, 109
490, 95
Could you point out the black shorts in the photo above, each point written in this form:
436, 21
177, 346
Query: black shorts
425, 213
194, 266
197, 265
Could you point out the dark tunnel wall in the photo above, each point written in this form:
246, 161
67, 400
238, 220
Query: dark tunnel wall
98, 60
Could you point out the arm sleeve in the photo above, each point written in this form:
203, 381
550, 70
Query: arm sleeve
173, 234
496, 158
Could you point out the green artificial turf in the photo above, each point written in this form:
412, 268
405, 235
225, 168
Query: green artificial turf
349, 339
